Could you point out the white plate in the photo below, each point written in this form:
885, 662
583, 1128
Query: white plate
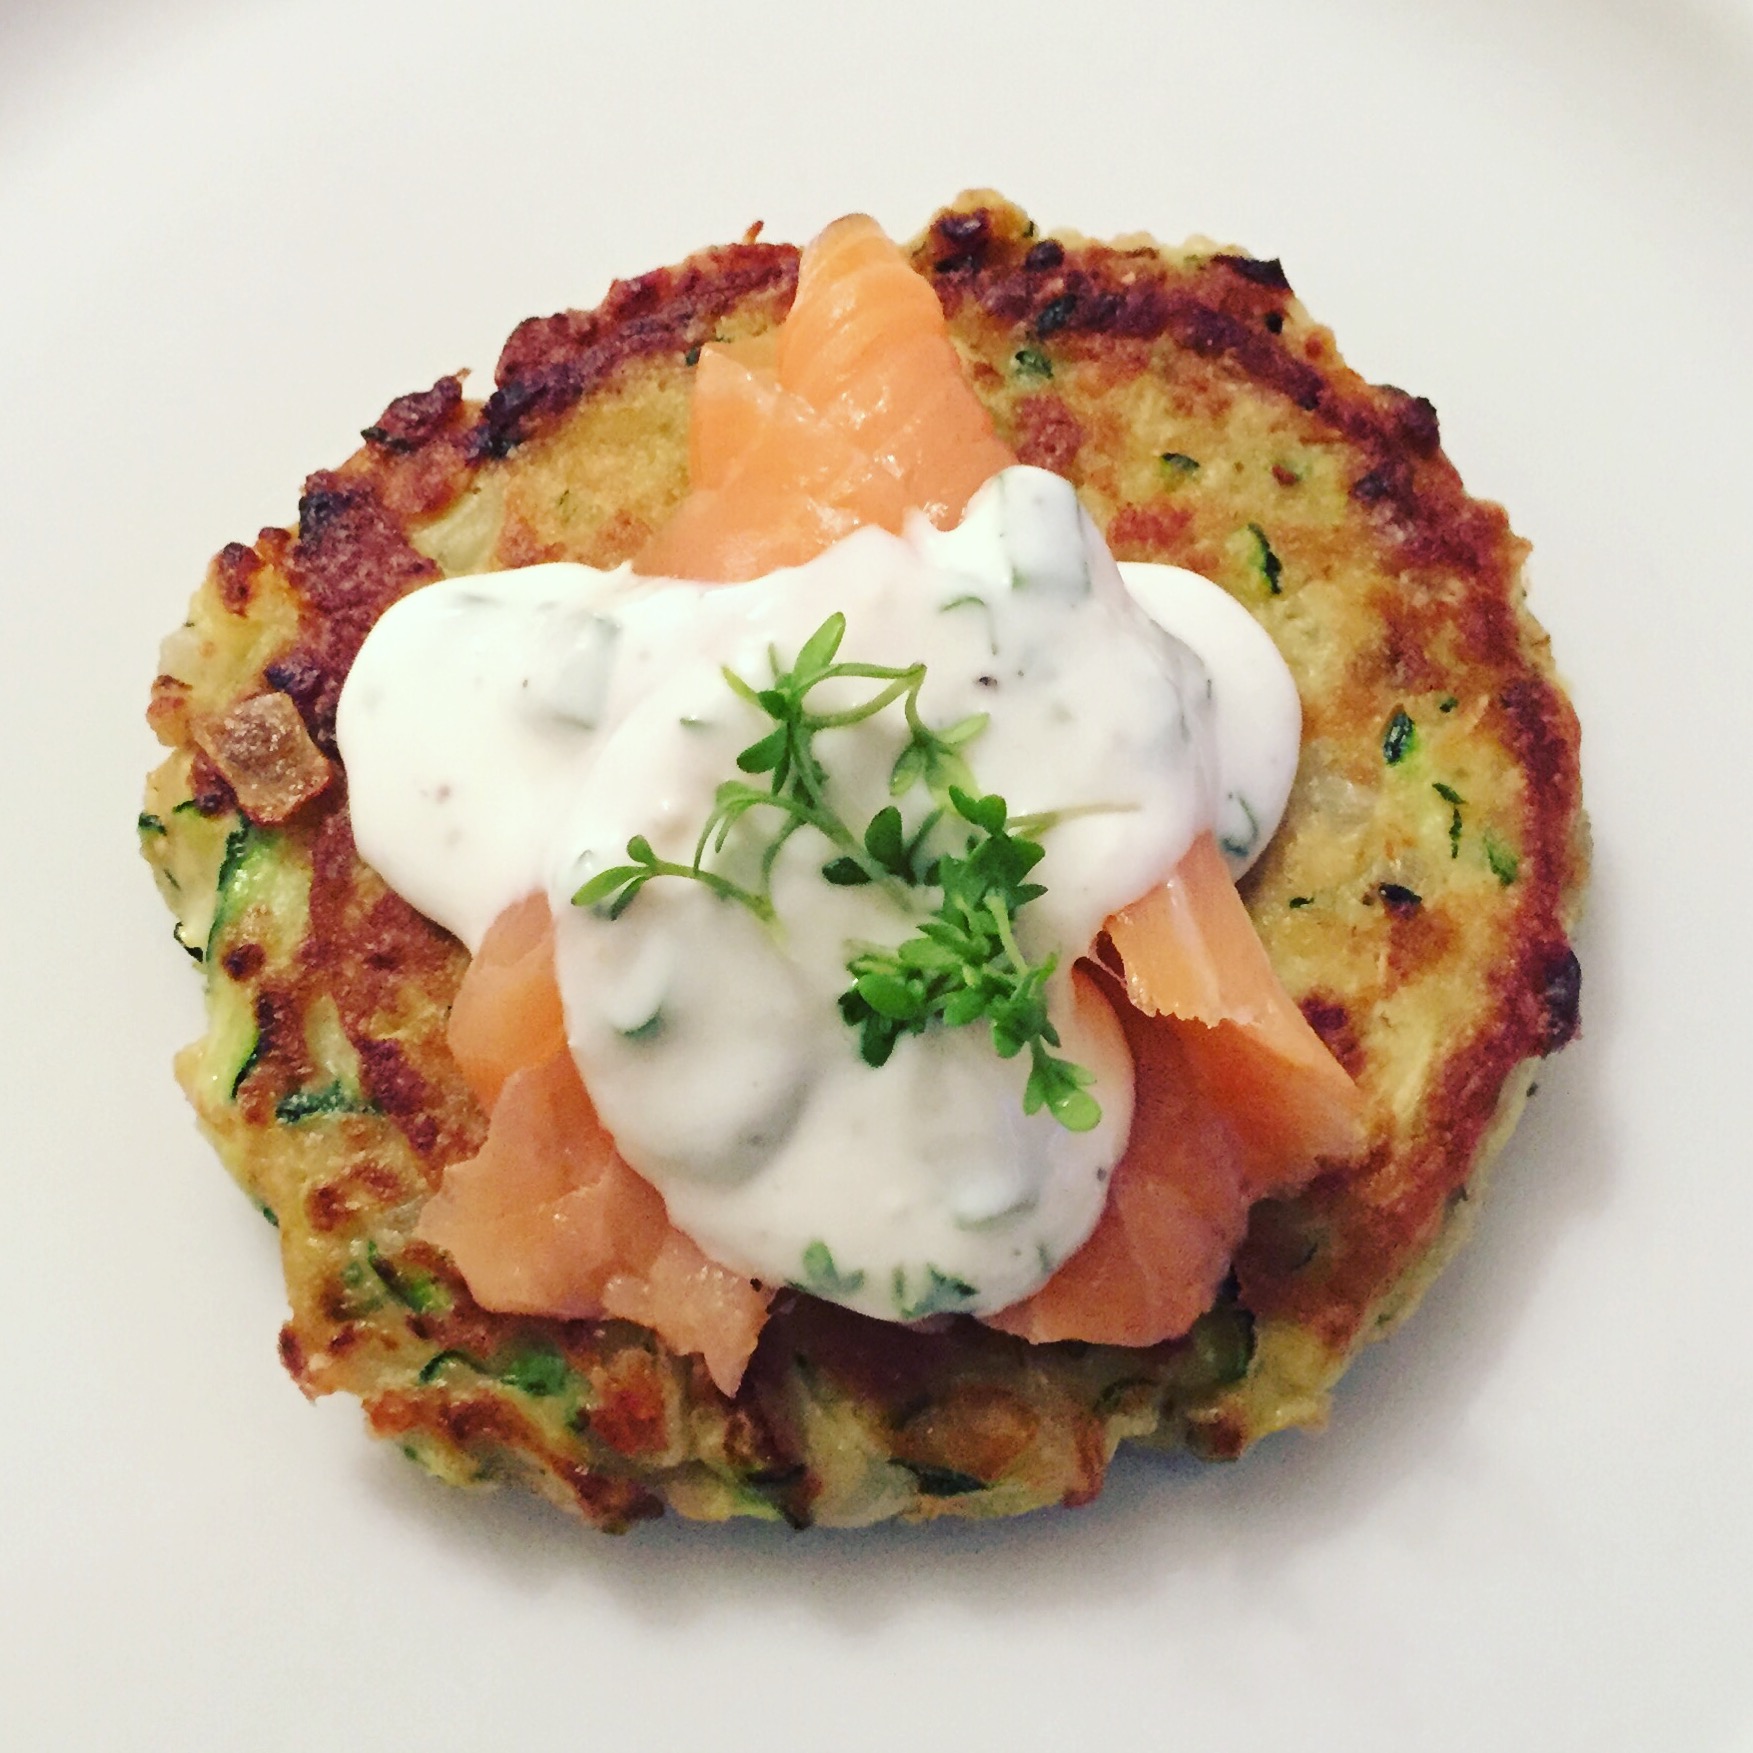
231, 234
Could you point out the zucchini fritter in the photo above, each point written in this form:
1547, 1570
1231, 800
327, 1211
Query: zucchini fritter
1417, 901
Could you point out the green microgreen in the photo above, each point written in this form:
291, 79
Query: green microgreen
963, 964
797, 783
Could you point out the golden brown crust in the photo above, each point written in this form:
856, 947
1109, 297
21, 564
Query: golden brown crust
1417, 901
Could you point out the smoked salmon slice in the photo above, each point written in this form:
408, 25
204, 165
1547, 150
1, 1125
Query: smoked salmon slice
1190, 951
772, 483
548, 1219
1177, 1206
1237, 1099
853, 412
506, 1014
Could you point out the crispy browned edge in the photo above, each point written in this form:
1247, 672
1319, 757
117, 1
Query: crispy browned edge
1234, 321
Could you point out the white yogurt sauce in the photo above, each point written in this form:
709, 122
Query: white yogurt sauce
511, 732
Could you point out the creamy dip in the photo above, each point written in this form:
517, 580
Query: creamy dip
513, 732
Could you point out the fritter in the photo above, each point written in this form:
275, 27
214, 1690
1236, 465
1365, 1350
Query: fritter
1417, 901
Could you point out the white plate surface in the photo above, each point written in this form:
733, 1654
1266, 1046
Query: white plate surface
231, 233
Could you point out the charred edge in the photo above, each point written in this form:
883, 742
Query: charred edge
411, 420
1560, 986
392, 1082
292, 1358
350, 561
960, 242
1333, 1023
235, 568
243, 961
550, 363
1228, 310
351, 556
303, 678
209, 789
632, 1416
1048, 435
612, 1504
1269, 274
368, 1186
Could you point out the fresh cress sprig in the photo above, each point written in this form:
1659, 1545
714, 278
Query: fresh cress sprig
797, 783
963, 964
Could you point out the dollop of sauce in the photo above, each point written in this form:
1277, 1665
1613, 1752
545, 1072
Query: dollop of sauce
510, 733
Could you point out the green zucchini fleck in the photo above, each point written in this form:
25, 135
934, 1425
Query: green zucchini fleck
942, 1481
1223, 1342
1270, 567
435, 1366
1032, 362
1399, 737
330, 1098
1504, 863
538, 1372
412, 1287
1454, 800
1178, 464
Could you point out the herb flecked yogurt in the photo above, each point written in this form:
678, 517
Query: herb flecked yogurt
538, 729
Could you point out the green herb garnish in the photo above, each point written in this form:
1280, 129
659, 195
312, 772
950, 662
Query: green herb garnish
797, 783
963, 964
1032, 362
823, 1277
941, 1294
